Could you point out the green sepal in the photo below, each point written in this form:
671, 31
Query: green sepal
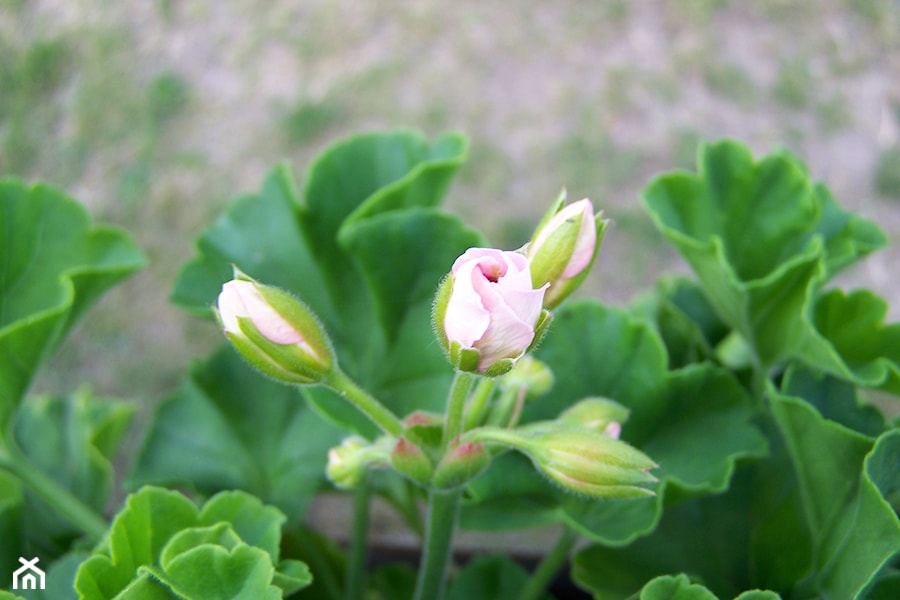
439, 310
540, 329
263, 362
561, 290
501, 367
548, 264
303, 320
464, 359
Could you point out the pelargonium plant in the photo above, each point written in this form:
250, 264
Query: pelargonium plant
728, 435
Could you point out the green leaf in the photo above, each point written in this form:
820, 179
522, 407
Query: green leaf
161, 543
680, 587
684, 319
707, 537
210, 572
842, 480
863, 349
55, 264
834, 398
675, 588
74, 440
761, 239
12, 503
369, 201
136, 538
496, 577
227, 428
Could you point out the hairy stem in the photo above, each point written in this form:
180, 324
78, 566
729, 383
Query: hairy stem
368, 405
456, 404
478, 403
548, 568
443, 509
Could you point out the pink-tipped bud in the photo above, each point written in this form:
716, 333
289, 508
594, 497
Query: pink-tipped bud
563, 248
462, 463
409, 460
274, 331
597, 414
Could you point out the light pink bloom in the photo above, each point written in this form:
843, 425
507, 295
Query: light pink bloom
583, 252
492, 305
242, 299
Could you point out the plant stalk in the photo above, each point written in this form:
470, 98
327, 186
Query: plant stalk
67, 504
365, 402
478, 403
456, 404
359, 542
548, 568
443, 510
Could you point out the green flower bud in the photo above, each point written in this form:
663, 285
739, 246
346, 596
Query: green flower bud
531, 375
460, 465
579, 460
348, 463
597, 414
273, 331
409, 460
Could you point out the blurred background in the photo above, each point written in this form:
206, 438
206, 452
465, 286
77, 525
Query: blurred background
155, 113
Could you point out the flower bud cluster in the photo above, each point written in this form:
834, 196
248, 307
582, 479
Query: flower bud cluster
494, 305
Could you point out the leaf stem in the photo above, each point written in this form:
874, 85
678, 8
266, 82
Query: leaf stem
359, 540
456, 404
549, 566
443, 510
67, 504
365, 402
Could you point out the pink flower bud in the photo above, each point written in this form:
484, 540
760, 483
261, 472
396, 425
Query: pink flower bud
564, 247
492, 307
409, 460
462, 463
274, 331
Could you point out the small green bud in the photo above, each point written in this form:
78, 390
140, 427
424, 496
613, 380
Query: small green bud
597, 414
531, 375
348, 463
461, 464
409, 460
273, 331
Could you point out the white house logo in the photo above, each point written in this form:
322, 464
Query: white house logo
28, 576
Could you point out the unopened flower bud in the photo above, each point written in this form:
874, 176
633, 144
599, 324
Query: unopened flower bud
487, 310
409, 460
563, 248
462, 463
580, 460
348, 463
598, 414
531, 375
274, 331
